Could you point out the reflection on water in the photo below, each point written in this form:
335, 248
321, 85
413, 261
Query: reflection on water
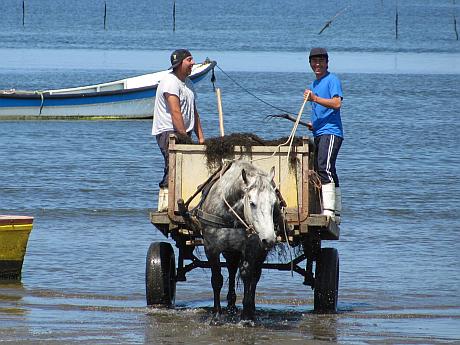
111, 319
11, 295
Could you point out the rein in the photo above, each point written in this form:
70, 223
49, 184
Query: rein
249, 227
214, 220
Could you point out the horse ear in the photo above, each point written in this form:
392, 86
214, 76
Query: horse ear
243, 174
272, 173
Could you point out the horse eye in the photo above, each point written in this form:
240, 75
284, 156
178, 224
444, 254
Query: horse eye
252, 203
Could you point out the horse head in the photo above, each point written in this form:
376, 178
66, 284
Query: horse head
259, 201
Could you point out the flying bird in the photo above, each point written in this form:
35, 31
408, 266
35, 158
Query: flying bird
329, 22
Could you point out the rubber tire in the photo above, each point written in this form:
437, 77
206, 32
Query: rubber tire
160, 275
327, 281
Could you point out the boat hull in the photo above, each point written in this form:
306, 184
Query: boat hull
117, 106
14, 235
131, 98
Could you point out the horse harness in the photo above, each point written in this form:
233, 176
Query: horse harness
217, 221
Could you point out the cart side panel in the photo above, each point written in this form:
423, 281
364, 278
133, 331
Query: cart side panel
188, 170
194, 172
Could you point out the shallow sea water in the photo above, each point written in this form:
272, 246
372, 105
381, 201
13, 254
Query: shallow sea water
91, 184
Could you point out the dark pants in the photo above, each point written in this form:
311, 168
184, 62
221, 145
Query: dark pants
327, 149
163, 142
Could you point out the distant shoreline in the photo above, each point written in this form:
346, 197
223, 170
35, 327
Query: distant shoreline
230, 61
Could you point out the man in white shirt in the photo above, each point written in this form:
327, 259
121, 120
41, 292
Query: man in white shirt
175, 111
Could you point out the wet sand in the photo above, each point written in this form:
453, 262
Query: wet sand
54, 317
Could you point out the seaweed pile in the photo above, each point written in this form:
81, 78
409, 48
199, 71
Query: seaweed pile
220, 148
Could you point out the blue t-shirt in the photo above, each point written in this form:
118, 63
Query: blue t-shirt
326, 120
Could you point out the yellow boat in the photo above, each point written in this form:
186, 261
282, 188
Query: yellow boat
14, 234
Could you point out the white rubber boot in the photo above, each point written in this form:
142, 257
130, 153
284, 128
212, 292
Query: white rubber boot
338, 205
163, 200
328, 193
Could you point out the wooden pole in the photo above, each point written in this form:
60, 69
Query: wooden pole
221, 113
455, 28
174, 16
23, 12
105, 15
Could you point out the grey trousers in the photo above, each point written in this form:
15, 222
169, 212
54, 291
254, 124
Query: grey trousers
163, 142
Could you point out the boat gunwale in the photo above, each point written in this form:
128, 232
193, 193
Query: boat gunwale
47, 95
16, 220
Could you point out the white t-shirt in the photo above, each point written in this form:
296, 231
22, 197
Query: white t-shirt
162, 120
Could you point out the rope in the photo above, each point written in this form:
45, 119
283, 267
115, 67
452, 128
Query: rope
290, 140
213, 80
248, 228
291, 137
251, 93
42, 101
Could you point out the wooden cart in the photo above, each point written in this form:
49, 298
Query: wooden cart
306, 226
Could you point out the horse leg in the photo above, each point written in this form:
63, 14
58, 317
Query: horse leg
217, 280
251, 270
247, 272
232, 263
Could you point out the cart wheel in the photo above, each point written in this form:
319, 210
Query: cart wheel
160, 274
327, 281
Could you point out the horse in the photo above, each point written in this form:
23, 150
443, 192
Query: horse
243, 236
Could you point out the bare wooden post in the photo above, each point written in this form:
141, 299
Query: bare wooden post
23, 12
221, 113
174, 16
105, 14
455, 28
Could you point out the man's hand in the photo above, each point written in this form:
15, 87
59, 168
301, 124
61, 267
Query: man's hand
308, 95
176, 114
332, 103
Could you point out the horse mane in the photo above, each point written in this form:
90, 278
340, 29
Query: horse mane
259, 178
232, 187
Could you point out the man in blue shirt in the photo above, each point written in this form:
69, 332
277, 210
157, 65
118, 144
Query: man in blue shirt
325, 95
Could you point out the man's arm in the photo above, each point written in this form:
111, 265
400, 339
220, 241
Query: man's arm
333, 103
198, 129
176, 114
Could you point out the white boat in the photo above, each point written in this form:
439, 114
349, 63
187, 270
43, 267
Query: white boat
130, 98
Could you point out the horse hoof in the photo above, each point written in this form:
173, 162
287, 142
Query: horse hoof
247, 323
247, 319
216, 320
232, 310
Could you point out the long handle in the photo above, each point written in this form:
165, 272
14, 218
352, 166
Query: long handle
221, 113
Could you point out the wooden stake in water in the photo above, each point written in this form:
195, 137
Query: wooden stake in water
105, 15
174, 15
455, 28
455, 21
23, 12
396, 22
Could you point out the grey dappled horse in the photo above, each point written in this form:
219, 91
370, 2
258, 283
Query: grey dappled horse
251, 193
